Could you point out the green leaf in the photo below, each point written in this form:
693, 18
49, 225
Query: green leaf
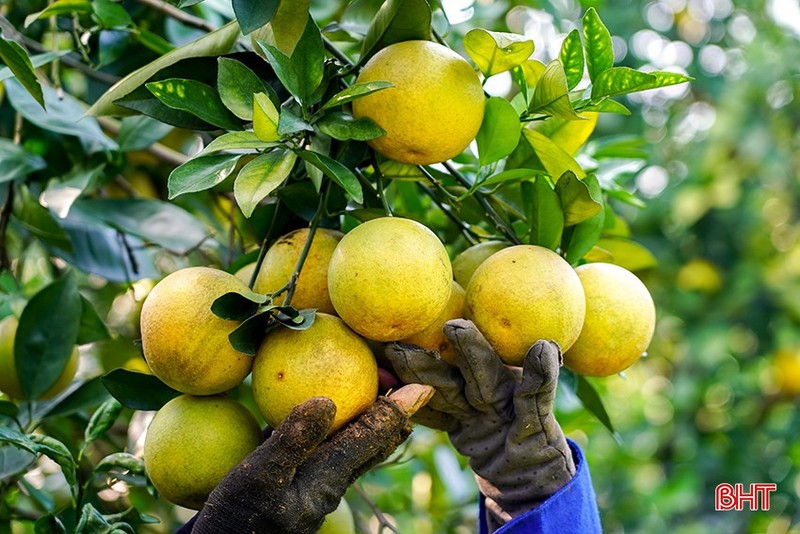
289, 123
260, 177
86, 396
598, 45
621, 80
584, 235
153, 41
212, 44
343, 126
265, 118
46, 336
396, 21
571, 57
92, 521
569, 135
627, 253
92, 328
544, 214
606, 105
162, 223
102, 420
589, 397
140, 132
296, 319
16, 162
17, 439
551, 94
8, 409
555, 160
499, 132
356, 90
302, 72
237, 84
507, 176
64, 115
138, 391
577, 201
196, 98
15, 58
199, 174
286, 28
60, 196
120, 461
60, 7
39, 60
664, 79
235, 306
110, 14
235, 141
252, 14
37, 220
248, 336
337, 172
143, 102
48, 524
495, 52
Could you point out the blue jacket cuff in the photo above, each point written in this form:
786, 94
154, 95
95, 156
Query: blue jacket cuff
572, 509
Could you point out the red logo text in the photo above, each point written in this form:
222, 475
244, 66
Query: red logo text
732, 497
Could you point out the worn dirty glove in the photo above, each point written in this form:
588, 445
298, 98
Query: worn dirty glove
500, 417
297, 476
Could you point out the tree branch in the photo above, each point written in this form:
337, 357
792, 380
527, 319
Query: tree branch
179, 15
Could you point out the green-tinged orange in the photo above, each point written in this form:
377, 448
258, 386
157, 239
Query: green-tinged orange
522, 294
184, 343
9, 378
328, 359
312, 284
193, 442
465, 264
389, 278
620, 321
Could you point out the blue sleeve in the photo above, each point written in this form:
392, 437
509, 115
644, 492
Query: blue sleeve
572, 509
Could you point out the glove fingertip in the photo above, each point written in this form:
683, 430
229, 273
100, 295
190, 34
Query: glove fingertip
544, 359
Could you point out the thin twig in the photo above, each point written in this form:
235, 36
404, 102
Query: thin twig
323, 201
5, 215
265, 244
335, 52
464, 227
179, 15
496, 219
383, 521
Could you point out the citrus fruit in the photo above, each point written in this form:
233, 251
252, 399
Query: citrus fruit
619, 324
245, 272
434, 109
340, 521
327, 360
464, 264
184, 343
389, 278
9, 379
192, 443
433, 338
522, 294
312, 284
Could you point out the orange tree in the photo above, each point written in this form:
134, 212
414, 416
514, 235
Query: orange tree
139, 138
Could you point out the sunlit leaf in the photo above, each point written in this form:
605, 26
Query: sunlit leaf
580, 239
196, 98
235, 141
201, 173
598, 45
495, 52
212, 44
237, 84
265, 118
555, 160
499, 131
285, 29
343, 126
260, 177
578, 202
355, 91
627, 253
571, 57
569, 135
551, 94
619, 81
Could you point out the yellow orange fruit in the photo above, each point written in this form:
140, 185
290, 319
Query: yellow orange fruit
433, 338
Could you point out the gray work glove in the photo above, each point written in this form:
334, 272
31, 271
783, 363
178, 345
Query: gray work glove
296, 477
500, 417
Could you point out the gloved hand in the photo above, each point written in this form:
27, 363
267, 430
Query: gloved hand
500, 417
296, 477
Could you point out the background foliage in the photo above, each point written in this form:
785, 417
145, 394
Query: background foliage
721, 221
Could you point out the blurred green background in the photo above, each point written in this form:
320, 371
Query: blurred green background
715, 399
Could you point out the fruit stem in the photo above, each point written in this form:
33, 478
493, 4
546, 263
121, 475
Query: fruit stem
379, 184
335, 52
265, 244
498, 221
323, 202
